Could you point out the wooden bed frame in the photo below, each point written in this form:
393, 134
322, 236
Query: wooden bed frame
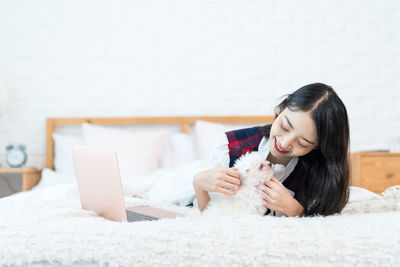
184, 122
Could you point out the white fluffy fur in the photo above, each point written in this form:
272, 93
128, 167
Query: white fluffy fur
49, 228
254, 171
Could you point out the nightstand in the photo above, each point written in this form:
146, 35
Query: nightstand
30, 176
375, 171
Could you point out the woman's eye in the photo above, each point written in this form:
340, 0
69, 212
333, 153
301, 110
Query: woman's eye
283, 128
302, 145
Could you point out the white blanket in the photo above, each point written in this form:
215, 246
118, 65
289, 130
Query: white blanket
48, 225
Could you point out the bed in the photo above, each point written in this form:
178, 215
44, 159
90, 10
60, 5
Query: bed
46, 226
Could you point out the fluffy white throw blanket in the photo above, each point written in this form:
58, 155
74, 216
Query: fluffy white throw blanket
49, 226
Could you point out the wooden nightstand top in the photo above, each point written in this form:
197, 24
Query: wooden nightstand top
376, 153
30, 176
19, 170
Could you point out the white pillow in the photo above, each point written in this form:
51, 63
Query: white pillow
138, 152
180, 149
206, 133
175, 185
52, 178
63, 161
358, 193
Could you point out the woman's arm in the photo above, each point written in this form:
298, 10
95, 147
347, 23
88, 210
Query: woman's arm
295, 209
202, 197
223, 180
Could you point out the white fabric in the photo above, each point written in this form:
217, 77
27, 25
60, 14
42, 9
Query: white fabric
138, 152
63, 143
358, 193
368, 202
47, 226
52, 178
180, 149
175, 185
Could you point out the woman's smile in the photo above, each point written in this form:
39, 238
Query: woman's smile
278, 147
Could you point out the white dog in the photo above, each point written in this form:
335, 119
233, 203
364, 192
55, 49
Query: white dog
254, 171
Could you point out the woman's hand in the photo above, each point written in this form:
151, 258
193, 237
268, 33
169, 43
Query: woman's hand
277, 198
223, 180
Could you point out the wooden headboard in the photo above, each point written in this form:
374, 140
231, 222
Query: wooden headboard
184, 122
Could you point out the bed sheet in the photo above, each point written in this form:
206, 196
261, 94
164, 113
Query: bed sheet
47, 226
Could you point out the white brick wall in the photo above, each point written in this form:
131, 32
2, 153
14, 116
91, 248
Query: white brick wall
157, 58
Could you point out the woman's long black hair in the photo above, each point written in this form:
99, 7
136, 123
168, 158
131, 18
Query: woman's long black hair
326, 168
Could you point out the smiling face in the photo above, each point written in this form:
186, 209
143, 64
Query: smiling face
293, 134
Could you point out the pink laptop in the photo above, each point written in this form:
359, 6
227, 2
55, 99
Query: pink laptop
100, 188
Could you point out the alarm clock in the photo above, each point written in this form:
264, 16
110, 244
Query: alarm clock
16, 155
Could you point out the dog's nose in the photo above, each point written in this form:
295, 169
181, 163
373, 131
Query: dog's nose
266, 163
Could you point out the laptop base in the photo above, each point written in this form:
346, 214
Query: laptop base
132, 216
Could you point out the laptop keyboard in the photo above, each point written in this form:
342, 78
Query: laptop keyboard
134, 217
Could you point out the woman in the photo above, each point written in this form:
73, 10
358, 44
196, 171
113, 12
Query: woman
310, 137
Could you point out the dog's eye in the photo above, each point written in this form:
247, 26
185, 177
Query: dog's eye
260, 168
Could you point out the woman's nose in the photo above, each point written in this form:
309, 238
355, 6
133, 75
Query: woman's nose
286, 142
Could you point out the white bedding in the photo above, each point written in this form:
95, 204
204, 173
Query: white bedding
166, 185
48, 226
